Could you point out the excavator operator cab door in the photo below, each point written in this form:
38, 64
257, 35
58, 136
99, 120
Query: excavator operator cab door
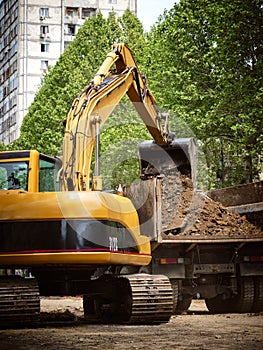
14, 170
13, 176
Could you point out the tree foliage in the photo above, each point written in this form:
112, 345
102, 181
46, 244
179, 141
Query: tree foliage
2, 147
205, 62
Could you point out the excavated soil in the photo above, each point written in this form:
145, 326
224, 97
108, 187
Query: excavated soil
195, 330
187, 212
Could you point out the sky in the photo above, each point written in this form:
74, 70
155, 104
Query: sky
148, 11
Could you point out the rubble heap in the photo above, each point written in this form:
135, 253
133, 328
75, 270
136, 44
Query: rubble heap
186, 212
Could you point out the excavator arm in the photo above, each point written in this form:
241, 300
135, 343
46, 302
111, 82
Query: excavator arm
93, 106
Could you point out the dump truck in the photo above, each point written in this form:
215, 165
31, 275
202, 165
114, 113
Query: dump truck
209, 244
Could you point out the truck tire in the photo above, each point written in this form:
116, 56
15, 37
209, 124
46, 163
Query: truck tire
243, 301
175, 288
179, 305
183, 305
218, 305
258, 295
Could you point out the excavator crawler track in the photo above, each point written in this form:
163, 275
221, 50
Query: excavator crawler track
152, 298
19, 301
130, 299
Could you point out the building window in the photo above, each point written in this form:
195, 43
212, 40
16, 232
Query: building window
44, 47
44, 64
72, 12
112, 1
44, 30
44, 12
70, 29
86, 13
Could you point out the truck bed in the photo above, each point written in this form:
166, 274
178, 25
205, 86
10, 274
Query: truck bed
171, 211
244, 199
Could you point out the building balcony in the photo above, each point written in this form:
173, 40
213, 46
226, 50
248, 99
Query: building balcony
68, 37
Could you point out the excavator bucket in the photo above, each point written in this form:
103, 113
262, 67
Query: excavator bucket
180, 155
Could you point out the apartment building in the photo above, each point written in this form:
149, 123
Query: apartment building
33, 34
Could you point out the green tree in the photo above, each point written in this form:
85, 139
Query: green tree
133, 35
2, 147
205, 64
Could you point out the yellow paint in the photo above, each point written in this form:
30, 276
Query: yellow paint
75, 258
38, 206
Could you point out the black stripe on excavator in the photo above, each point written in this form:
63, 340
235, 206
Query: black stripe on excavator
136, 77
14, 154
65, 235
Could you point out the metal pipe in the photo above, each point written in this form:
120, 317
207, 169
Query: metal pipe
97, 180
97, 147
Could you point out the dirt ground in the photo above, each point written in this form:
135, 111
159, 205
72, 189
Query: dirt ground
195, 330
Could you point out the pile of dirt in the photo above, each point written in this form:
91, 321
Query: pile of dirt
187, 212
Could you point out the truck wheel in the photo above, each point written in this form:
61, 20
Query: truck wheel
175, 287
183, 305
243, 301
258, 296
218, 305
179, 305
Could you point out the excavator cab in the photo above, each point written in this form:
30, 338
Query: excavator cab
29, 171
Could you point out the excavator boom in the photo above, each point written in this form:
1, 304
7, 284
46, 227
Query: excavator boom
93, 106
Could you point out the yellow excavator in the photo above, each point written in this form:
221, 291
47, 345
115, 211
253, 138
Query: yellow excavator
73, 237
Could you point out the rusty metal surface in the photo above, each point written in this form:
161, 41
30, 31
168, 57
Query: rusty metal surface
238, 195
247, 208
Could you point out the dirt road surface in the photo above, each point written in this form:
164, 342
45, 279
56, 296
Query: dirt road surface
195, 330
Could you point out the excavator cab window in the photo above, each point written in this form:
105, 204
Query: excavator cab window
14, 175
48, 169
